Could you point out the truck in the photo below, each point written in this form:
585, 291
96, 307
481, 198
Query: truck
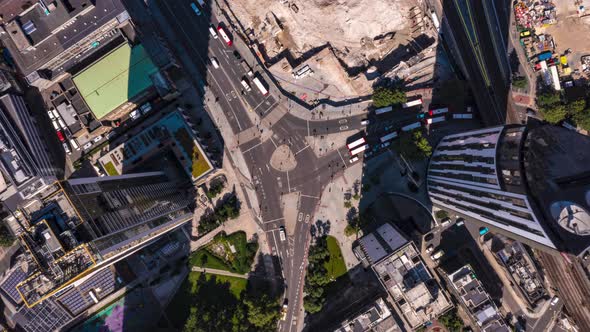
383, 110
359, 149
356, 143
544, 56
438, 111
412, 126
412, 103
259, 85
435, 21
388, 137
435, 120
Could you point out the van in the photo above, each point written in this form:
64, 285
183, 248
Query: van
445, 222
213, 32
74, 144
61, 123
437, 255
282, 233
246, 85
364, 122
66, 148
55, 125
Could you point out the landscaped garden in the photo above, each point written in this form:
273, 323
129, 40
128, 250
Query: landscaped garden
230, 252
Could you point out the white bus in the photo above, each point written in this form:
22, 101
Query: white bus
412, 103
260, 86
463, 116
356, 143
388, 137
412, 126
383, 110
435, 120
359, 149
438, 111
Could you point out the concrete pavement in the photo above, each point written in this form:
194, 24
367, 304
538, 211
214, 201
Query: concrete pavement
219, 272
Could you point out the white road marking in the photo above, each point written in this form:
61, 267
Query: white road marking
272, 220
305, 147
252, 147
273, 142
288, 182
308, 128
309, 196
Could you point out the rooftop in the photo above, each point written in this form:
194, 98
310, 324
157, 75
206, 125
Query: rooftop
375, 317
116, 78
416, 294
477, 301
385, 240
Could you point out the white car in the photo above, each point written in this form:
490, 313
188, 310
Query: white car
429, 248
135, 114
55, 114
554, 300
87, 146
51, 116
282, 233
364, 122
97, 138
213, 32
214, 62
74, 144
354, 159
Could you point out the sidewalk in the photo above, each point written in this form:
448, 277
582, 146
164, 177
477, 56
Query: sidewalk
220, 272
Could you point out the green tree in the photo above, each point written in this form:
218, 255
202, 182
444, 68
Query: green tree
312, 304
519, 82
263, 312
451, 321
441, 214
6, 238
350, 230
547, 98
347, 204
575, 107
553, 113
582, 119
422, 144
385, 97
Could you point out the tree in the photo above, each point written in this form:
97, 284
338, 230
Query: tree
582, 119
441, 214
519, 82
350, 230
451, 321
385, 97
553, 113
347, 204
413, 145
548, 98
422, 144
263, 312
6, 238
575, 107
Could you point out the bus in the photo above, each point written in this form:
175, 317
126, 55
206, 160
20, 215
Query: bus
435, 120
388, 137
412, 126
463, 116
438, 111
383, 110
224, 35
356, 143
260, 86
412, 103
359, 149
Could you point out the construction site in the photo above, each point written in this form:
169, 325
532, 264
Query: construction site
338, 50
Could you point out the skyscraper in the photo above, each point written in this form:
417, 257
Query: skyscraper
530, 183
89, 224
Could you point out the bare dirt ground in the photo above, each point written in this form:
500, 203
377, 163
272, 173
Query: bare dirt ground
571, 31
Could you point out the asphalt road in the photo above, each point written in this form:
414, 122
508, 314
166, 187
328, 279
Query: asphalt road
310, 176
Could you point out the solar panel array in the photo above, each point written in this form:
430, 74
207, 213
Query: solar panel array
45, 316
9, 284
77, 299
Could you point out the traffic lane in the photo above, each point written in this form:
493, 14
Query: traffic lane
322, 171
181, 22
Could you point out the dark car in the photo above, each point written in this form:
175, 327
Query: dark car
428, 237
237, 55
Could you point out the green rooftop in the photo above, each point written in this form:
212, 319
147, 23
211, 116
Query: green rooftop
115, 78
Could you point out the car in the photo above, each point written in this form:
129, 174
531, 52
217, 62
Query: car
554, 300
60, 136
135, 114
61, 123
55, 113
97, 138
195, 9
428, 237
246, 85
445, 222
214, 62
354, 159
387, 128
51, 116
212, 32
237, 55
421, 115
55, 125
282, 233
87, 146
145, 108
483, 230
66, 148
201, 3
460, 222
429, 248
384, 145
364, 122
